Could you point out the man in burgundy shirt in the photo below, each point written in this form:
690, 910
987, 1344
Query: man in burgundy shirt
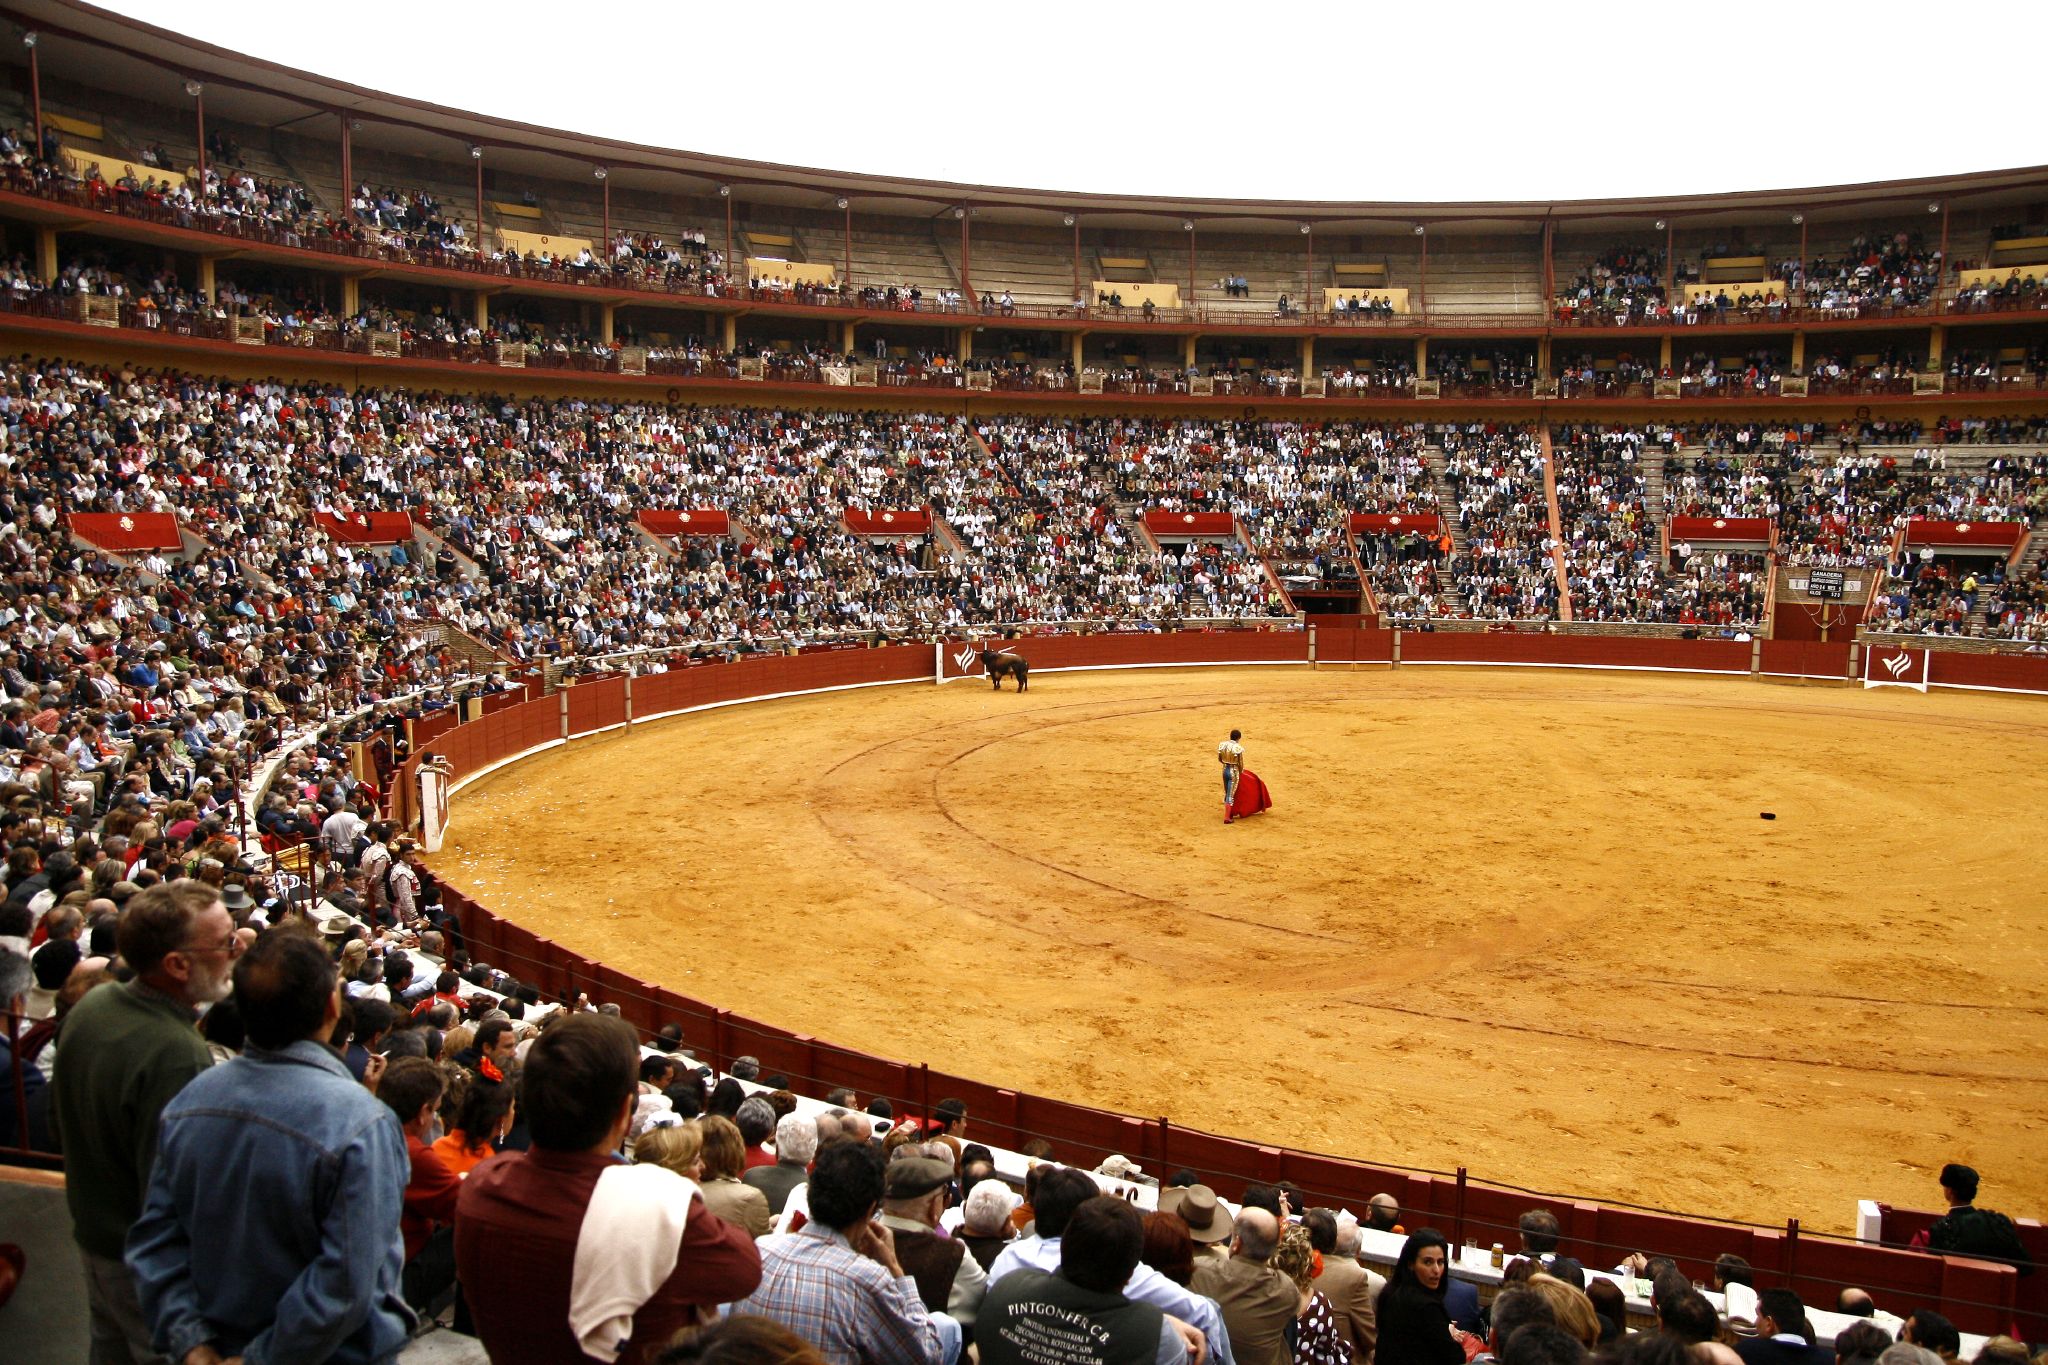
660, 1260
412, 1086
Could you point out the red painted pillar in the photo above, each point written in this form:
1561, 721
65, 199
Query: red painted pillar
35, 89
966, 256
1191, 263
476, 154
1549, 261
199, 105
607, 217
348, 174
1670, 259
846, 273
1308, 284
1423, 303
1077, 258
730, 264
1945, 272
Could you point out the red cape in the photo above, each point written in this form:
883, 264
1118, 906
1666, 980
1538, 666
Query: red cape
1252, 796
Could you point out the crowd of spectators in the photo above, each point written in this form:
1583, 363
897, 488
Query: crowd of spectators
409, 1139
1472, 371
1621, 286
1507, 569
1609, 537
2019, 289
1899, 270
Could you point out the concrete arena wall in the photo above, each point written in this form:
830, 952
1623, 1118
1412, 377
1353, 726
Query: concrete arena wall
1977, 1296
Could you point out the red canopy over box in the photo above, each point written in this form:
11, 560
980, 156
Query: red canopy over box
1162, 523
2004, 534
913, 521
1739, 530
1376, 523
367, 528
128, 532
695, 521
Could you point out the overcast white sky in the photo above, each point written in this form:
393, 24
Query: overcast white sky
1425, 100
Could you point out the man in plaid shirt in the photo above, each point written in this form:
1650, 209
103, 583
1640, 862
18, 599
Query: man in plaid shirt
836, 1282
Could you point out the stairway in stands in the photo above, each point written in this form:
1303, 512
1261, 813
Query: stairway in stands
1652, 463
1452, 595
476, 656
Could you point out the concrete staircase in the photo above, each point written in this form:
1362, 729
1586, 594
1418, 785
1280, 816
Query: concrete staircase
1447, 581
1564, 580
476, 656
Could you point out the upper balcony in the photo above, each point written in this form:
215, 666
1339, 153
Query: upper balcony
538, 211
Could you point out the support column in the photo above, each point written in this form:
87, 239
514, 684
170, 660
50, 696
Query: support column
1543, 358
206, 279
1187, 352
46, 254
481, 302
1077, 338
1934, 340
35, 92
963, 345
1308, 357
607, 322
846, 339
1799, 350
348, 173
1422, 357
351, 295
729, 335
1664, 352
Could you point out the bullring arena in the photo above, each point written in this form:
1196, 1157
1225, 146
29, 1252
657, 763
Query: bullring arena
472, 563
1525, 921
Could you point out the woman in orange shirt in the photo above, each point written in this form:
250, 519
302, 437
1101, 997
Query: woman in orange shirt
482, 1119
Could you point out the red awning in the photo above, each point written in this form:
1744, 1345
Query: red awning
366, 528
695, 521
128, 532
1995, 533
1737, 530
1161, 523
1375, 523
913, 521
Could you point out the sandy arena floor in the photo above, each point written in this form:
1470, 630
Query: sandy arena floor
1528, 922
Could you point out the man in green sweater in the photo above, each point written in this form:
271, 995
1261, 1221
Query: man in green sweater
126, 1051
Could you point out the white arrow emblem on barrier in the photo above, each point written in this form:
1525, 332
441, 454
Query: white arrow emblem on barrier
965, 658
1898, 665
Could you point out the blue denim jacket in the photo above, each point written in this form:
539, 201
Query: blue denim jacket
271, 1224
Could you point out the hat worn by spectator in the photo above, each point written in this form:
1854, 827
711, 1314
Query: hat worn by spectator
237, 899
915, 1177
1201, 1210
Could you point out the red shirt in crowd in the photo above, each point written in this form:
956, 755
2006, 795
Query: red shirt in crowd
516, 1227
429, 1196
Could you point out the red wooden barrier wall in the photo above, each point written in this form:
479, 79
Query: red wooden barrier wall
1976, 1296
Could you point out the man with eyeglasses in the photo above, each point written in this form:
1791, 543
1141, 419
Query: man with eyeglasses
127, 1050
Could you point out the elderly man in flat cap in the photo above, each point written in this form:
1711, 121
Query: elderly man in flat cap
948, 1279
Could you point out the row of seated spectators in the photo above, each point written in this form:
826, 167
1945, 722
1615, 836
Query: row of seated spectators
2016, 290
